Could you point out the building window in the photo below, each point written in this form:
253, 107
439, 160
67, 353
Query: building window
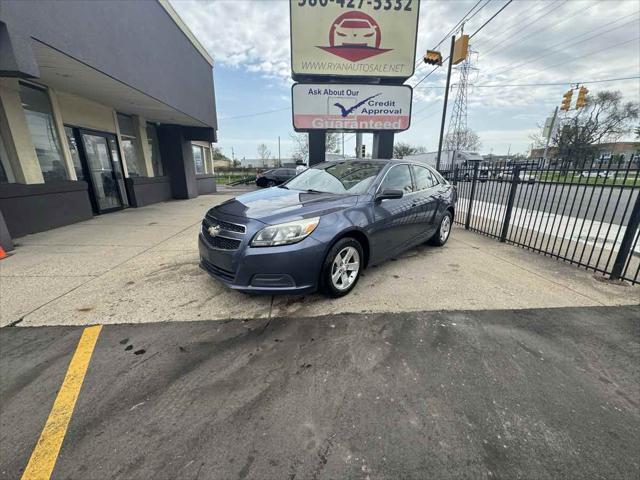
128, 136
154, 148
44, 137
198, 159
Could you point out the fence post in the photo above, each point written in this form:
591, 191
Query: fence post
512, 195
473, 193
455, 175
627, 241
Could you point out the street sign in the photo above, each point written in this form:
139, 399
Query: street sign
353, 38
351, 107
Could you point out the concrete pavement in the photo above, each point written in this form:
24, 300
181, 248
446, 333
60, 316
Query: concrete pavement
141, 265
502, 394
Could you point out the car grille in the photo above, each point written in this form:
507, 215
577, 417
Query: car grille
223, 243
220, 241
217, 271
229, 227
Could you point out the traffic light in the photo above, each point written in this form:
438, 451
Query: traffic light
581, 101
363, 151
566, 101
433, 57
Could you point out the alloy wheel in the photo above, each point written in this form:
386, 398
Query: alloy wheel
345, 268
445, 228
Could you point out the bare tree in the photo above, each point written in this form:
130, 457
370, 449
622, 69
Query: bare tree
216, 153
300, 152
604, 118
462, 140
263, 152
401, 150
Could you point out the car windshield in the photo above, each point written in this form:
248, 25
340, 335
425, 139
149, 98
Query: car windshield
337, 177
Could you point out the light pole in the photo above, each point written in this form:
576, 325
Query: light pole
446, 99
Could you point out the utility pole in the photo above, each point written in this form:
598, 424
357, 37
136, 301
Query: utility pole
358, 145
343, 156
549, 133
446, 99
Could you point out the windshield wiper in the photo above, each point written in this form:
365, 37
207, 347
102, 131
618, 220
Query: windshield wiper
311, 190
283, 186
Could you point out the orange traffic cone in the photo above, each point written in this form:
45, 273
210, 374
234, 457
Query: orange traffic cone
2, 253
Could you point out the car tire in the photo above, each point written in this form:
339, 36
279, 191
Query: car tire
344, 247
271, 183
444, 230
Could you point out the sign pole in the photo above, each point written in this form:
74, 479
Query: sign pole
446, 99
317, 146
549, 133
359, 145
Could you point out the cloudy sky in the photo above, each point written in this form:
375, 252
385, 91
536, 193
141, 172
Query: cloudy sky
530, 42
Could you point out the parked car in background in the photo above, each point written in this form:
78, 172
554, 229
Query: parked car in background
276, 176
483, 175
323, 227
524, 176
589, 173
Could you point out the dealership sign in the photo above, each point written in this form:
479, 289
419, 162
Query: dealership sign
353, 38
351, 107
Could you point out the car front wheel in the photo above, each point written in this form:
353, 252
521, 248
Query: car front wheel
444, 230
342, 267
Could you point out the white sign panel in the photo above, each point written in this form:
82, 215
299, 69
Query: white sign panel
354, 38
351, 107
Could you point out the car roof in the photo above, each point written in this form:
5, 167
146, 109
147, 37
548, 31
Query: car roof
390, 161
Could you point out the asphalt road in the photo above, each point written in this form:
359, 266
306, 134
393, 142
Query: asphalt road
582, 201
531, 394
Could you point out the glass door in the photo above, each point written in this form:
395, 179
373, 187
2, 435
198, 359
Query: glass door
102, 170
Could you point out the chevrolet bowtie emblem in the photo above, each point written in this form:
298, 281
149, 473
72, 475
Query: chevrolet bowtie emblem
214, 230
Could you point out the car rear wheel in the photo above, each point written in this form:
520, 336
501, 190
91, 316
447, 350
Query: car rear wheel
342, 267
444, 230
271, 183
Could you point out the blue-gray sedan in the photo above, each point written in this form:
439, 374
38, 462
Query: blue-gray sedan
323, 227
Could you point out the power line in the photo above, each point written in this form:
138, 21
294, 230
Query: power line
473, 35
582, 56
266, 112
529, 59
545, 84
492, 17
521, 28
457, 25
535, 32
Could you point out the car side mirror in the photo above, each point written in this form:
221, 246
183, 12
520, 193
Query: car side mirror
389, 194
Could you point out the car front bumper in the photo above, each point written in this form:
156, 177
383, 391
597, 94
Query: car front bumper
269, 270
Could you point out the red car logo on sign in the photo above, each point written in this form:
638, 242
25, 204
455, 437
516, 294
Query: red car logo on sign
355, 36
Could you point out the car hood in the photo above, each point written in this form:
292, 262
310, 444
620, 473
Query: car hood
277, 205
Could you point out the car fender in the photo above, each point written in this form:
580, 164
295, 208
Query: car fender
339, 224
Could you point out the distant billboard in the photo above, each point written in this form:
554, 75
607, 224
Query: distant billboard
351, 107
353, 38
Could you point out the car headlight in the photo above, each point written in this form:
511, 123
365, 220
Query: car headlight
285, 233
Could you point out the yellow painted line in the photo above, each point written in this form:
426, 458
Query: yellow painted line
45, 454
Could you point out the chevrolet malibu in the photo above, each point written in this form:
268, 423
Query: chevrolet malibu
320, 229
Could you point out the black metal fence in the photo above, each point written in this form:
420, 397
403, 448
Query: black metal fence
586, 213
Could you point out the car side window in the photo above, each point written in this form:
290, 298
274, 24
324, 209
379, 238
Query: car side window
424, 178
398, 178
